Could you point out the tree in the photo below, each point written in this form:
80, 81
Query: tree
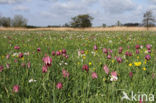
118, 23
5, 21
104, 25
83, 20
148, 19
19, 21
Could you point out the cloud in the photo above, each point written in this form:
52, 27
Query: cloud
117, 6
21, 8
11, 1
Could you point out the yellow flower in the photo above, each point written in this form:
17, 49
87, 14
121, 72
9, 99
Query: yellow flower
2, 57
84, 57
22, 58
145, 62
137, 63
94, 69
137, 57
130, 64
78, 63
144, 69
112, 61
90, 63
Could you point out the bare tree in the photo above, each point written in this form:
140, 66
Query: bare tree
5, 21
148, 19
19, 21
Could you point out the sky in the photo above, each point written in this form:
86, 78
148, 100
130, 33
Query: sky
59, 12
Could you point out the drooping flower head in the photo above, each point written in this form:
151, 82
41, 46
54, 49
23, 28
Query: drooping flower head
64, 51
15, 88
105, 68
20, 55
120, 50
58, 53
119, 59
44, 69
137, 46
85, 67
17, 47
147, 57
105, 50
47, 61
1, 68
59, 85
109, 56
95, 47
149, 46
53, 53
114, 76
38, 49
65, 73
94, 75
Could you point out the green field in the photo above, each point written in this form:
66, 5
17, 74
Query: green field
78, 85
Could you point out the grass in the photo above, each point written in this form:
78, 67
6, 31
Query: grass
79, 87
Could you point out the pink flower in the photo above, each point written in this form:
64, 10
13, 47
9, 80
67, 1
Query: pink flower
120, 50
28, 64
66, 56
44, 69
38, 49
17, 47
137, 51
15, 88
105, 50
140, 100
147, 57
137, 46
20, 55
114, 76
109, 57
47, 61
65, 73
126, 53
94, 75
119, 59
105, 68
110, 51
7, 56
58, 53
85, 67
23, 64
59, 85
82, 51
8, 66
130, 54
1, 68
131, 74
149, 51
64, 51
148, 46
95, 47
53, 53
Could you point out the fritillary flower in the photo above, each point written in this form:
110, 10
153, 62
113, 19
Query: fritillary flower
59, 85
94, 75
15, 88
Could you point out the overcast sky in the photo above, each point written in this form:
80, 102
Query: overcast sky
58, 12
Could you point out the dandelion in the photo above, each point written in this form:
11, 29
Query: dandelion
137, 64
90, 63
144, 69
130, 64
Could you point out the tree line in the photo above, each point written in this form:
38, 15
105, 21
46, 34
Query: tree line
17, 21
79, 21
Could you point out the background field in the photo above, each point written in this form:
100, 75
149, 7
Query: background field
85, 29
79, 87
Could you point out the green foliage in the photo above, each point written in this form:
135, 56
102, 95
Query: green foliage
79, 87
82, 21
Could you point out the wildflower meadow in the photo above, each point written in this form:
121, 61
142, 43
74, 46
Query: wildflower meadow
77, 67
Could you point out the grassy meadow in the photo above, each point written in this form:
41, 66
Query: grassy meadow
76, 66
